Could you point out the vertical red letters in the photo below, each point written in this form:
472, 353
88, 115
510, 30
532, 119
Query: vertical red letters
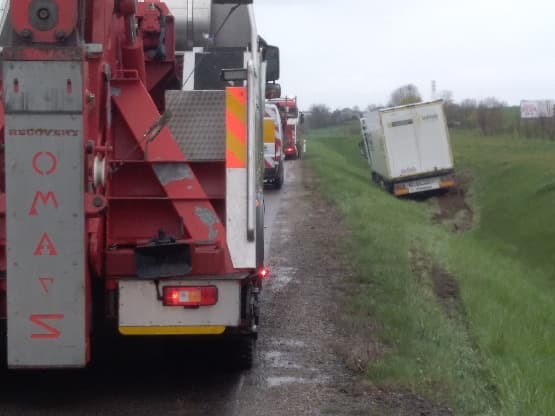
45, 243
49, 158
46, 282
51, 332
45, 164
41, 197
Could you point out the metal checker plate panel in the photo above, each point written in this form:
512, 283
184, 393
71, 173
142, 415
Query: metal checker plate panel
198, 123
46, 241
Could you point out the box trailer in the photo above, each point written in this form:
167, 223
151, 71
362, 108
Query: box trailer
408, 148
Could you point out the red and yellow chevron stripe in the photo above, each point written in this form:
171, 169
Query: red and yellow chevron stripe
236, 127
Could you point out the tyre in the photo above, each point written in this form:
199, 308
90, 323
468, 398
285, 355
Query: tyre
3, 343
241, 352
280, 177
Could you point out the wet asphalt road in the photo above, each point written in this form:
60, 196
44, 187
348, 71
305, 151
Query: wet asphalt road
297, 370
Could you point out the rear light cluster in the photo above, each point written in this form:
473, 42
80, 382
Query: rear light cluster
447, 182
401, 189
190, 296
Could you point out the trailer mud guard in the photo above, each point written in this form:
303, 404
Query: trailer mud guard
45, 215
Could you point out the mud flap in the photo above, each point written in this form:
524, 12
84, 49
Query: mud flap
45, 219
45, 239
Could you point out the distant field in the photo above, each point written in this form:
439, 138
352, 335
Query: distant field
486, 346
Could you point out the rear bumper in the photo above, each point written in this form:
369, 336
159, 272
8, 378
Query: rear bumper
171, 330
290, 151
443, 181
271, 173
141, 309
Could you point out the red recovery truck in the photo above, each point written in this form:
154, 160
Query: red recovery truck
129, 204
291, 119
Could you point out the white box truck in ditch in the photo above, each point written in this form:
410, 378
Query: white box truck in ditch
408, 148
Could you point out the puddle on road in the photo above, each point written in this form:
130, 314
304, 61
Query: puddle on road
282, 277
278, 359
281, 381
288, 364
295, 343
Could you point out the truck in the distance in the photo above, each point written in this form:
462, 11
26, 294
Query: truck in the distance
274, 168
291, 118
408, 148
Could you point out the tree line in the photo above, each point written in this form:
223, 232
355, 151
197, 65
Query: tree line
490, 116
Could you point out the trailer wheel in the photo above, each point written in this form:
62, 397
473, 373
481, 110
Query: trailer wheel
242, 350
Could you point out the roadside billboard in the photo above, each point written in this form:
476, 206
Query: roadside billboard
536, 108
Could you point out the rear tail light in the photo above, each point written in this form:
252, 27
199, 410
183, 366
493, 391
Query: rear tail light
400, 190
190, 296
447, 182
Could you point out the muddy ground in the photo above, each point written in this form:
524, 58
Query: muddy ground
452, 208
309, 362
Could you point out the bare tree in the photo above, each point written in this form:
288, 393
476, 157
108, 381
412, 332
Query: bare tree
320, 116
469, 113
490, 116
452, 110
407, 94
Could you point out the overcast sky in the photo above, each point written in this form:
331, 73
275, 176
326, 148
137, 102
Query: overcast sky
355, 52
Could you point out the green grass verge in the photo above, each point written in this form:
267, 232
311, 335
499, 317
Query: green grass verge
499, 358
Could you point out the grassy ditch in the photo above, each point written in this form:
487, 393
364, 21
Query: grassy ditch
485, 343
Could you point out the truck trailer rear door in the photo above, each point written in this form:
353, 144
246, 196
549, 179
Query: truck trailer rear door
401, 143
433, 139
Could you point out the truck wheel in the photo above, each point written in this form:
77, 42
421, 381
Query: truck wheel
242, 351
386, 186
3, 344
279, 180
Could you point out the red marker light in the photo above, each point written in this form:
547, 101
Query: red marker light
190, 296
264, 273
